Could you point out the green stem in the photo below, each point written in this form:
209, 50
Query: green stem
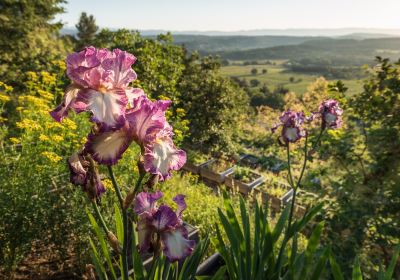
318, 139
102, 222
125, 268
297, 183
116, 187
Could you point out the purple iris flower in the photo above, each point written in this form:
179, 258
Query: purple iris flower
331, 114
145, 124
100, 80
162, 222
291, 123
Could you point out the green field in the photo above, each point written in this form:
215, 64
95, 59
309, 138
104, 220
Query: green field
278, 75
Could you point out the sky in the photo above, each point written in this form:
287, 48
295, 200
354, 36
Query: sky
235, 15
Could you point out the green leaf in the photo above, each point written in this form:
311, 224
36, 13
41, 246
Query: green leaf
321, 265
356, 275
336, 271
390, 270
103, 243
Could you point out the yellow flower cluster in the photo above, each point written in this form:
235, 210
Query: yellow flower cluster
57, 138
108, 184
43, 138
15, 140
28, 124
52, 156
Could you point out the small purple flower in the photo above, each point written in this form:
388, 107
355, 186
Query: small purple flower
165, 223
291, 123
81, 174
331, 114
100, 80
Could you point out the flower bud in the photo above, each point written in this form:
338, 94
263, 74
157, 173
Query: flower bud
129, 199
114, 243
89, 273
141, 168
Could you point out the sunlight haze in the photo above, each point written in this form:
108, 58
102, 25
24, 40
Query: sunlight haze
233, 15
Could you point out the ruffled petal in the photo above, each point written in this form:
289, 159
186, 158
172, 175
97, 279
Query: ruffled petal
145, 202
147, 119
164, 219
77, 171
133, 94
180, 201
79, 63
118, 69
162, 157
107, 147
108, 108
176, 244
144, 235
69, 101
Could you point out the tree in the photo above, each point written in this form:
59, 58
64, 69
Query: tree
254, 82
254, 71
87, 29
291, 79
264, 71
214, 105
28, 36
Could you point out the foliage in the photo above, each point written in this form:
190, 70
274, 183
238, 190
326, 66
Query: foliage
253, 256
38, 203
211, 102
160, 268
28, 25
87, 29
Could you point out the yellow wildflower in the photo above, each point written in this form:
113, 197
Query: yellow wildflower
4, 98
70, 124
108, 184
57, 138
28, 124
46, 94
15, 140
180, 111
52, 156
43, 138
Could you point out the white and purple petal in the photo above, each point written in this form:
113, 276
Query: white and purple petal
145, 233
78, 174
181, 203
119, 69
177, 246
107, 147
162, 157
108, 108
69, 101
79, 63
164, 219
146, 202
133, 94
147, 119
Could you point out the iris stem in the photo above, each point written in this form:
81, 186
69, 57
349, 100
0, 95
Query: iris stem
102, 222
116, 187
125, 268
295, 187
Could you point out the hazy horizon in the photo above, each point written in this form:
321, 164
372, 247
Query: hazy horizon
236, 15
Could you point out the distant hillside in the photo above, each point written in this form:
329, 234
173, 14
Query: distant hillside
208, 44
339, 51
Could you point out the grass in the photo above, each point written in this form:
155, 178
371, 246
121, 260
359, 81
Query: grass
277, 75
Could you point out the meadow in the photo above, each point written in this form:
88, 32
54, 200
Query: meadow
278, 75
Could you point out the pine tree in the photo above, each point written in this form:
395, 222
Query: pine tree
87, 29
